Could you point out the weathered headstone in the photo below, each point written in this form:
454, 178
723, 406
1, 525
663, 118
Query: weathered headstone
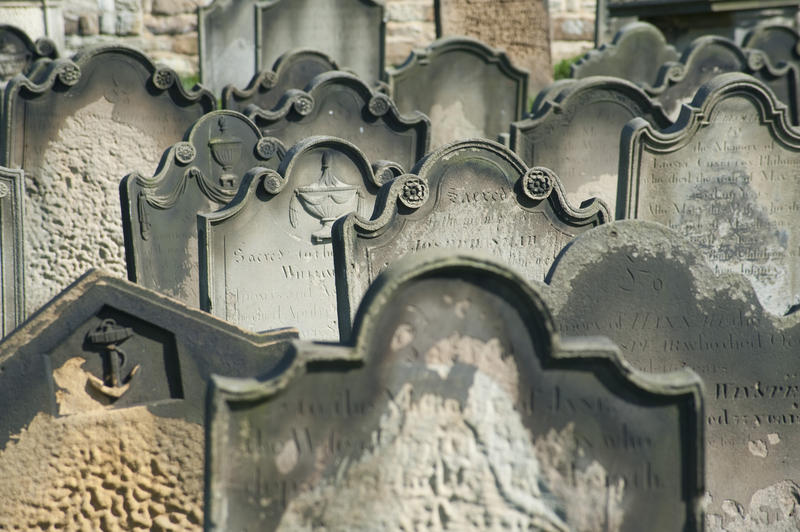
466, 88
199, 174
636, 54
352, 32
342, 105
549, 94
76, 130
725, 177
780, 43
18, 51
521, 28
711, 56
456, 408
578, 133
103, 393
266, 259
474, 195
12, 311
653, 294
292, 70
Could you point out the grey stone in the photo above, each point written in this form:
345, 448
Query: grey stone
549, 94
710, 56
199, 174
12, 311
724, 176
455, 406
18, 51
266, 260
76, 128
466, 88
578, 132
636, 53
293, 70
227, 43
342, 105
653, 294
474, 195
780, 43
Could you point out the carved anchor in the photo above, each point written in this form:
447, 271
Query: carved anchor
110, 335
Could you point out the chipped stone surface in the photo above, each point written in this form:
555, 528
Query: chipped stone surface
772, 509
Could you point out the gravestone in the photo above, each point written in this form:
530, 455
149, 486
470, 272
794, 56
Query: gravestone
578, 132
199, 174
711, 56
636, 53
342, 105
549, 94
780, 43
18, 51
11, 238
473, 195
724, 176
352, 32
521, 28
292, 70
456, 408
466, 88
266, 260
653, 294
76, 129
103, 391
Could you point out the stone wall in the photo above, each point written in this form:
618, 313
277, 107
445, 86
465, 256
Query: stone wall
572, 27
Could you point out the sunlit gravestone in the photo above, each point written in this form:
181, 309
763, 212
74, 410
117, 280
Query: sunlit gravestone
18, 52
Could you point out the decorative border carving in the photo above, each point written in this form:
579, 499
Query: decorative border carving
12, 265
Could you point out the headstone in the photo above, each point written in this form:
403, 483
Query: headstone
227, 43
12, 311
37, 18
549, 94
636, 54
456, 408
103, 394
652, 293
76, 130
342, 105
780, 43
473, 195
292, 70
724, 176
521, 28
352, 32
711, 56
199, 174
578, 133
18, 51
266, 260
466, 88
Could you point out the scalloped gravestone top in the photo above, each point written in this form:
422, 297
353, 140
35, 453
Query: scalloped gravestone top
653, 294
12, 311
466, 88
76, 132
578, 132
200, 174
474, 195
18, 52
342, 105
636, 53
521, 28
266, 259
780, 43
725, 177
457, 399
710, 56
108, 382
226, 43
293, 70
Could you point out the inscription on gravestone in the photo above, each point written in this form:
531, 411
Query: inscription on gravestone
18, 52
473, 195
200, 174
82, 126
458, 401
266, 259
652, 293
725, 178
11, 240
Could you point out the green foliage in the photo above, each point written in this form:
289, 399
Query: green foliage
562, 70
189, 81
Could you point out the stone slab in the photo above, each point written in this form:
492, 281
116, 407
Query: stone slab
780, 43
199, 174
455, 406
18, 51
12, 311
724, 176
467, 89
76, 129
342, 105
577, 133
470, 195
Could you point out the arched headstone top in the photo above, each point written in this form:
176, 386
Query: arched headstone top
780, 43
18, 52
